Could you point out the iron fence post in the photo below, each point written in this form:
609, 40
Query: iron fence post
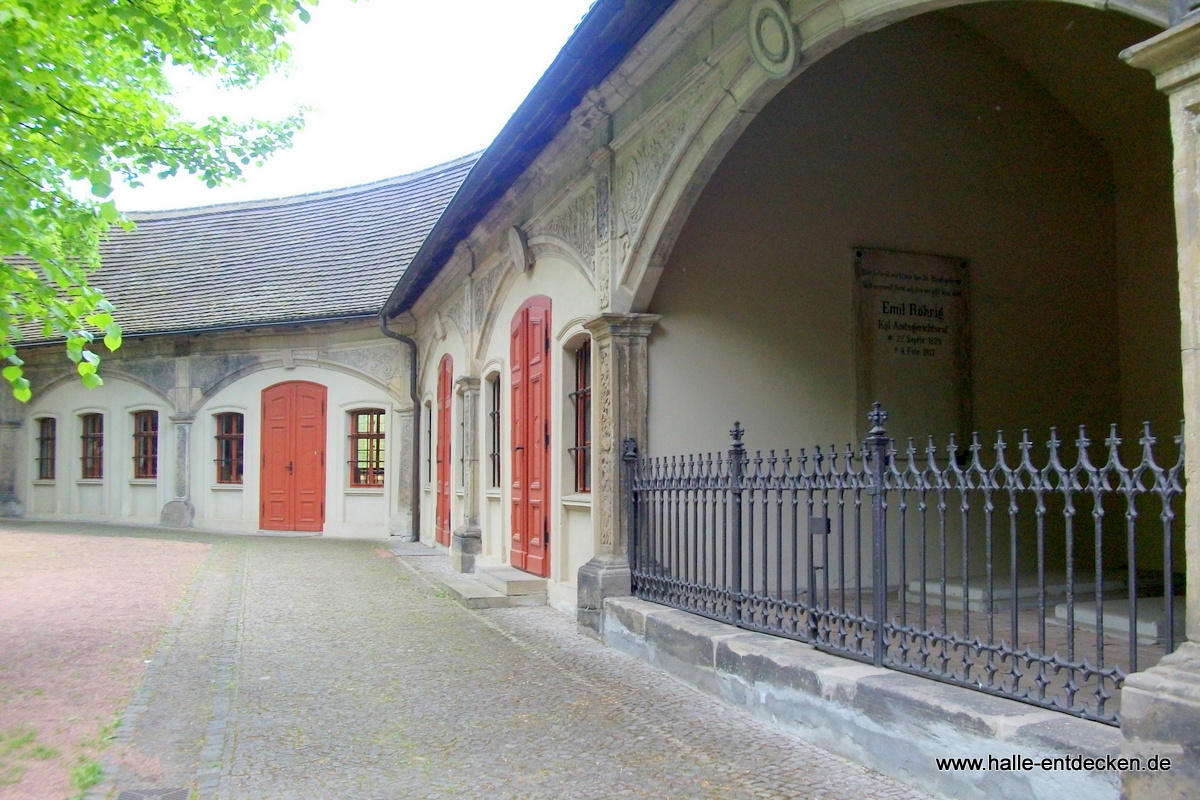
736, 458
629, 454
877, 449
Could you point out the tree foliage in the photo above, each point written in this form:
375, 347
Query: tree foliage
85, 100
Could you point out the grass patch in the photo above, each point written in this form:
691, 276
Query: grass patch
17, 745
86, 773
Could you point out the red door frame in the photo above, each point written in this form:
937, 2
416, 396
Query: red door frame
292, 478
530, 358
444, 389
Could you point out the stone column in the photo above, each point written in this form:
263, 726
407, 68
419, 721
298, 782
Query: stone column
1160, 707
403, 459
467, 540
621, 393
180, 513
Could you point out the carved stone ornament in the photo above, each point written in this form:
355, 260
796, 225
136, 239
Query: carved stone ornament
575, 223
377, 361
772, 38
640, 171
518, 249
484, 287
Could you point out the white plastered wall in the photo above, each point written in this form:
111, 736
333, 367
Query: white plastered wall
573, 301
117, 495
349, 512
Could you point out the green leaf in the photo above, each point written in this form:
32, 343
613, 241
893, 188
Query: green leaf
91, 380
11, 374
22, 390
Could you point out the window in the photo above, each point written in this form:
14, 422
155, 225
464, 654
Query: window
581, 398
230, 439
145, 444
92, 439
366, 447
494, 430
46, 445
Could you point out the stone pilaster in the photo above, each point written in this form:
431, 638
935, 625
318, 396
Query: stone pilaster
467, 540
621, 394
179, 512
1160, 707
10, 436
403, 460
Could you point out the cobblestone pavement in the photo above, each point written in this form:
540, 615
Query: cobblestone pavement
319, 669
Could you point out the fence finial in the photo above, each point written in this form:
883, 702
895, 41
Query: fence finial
877, 417
736, 432
629, 453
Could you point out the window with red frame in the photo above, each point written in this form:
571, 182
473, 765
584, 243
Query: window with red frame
230, 442
145, 444
47, 431
366, 447
92, 441
581, 398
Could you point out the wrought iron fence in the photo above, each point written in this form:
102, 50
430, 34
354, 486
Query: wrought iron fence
1012, 573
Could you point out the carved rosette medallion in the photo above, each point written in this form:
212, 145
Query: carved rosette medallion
772, 38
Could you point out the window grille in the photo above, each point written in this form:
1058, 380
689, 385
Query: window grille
230, 444
145, 444
47, 429
494, 438
366, 447
581, 398
92, 441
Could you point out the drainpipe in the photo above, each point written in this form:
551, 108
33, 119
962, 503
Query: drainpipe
415, 505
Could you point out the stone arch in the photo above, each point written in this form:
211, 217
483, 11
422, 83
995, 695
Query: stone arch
731, 103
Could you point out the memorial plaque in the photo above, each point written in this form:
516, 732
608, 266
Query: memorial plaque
913, 343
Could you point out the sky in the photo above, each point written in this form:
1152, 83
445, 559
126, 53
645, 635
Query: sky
394, 86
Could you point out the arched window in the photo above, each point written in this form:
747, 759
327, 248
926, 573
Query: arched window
581, 401
367, 454
47, 444
230, 443
92, 444
145, 444
494, 429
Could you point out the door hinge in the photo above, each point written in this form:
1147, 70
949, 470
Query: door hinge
545, 531
547, 423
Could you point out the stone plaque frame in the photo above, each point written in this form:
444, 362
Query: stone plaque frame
912, 347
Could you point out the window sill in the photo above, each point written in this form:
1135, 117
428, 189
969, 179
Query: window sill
493, 493
226, 487
364, 491
578, 500
44, 482
90, 481
143, 481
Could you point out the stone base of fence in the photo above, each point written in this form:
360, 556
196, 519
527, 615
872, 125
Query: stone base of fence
894, 723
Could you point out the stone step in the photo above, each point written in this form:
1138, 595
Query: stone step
470, 593
1151, 619
511, 581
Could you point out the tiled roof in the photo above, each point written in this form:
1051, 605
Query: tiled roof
315, 256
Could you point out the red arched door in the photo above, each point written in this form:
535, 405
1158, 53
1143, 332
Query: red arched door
530, 351
445, 384
292, 490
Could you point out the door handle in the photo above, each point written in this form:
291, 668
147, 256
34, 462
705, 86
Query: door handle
519, 447
289, 468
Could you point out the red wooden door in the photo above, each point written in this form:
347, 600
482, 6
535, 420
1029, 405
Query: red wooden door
292, 490
445, 381
530, 354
